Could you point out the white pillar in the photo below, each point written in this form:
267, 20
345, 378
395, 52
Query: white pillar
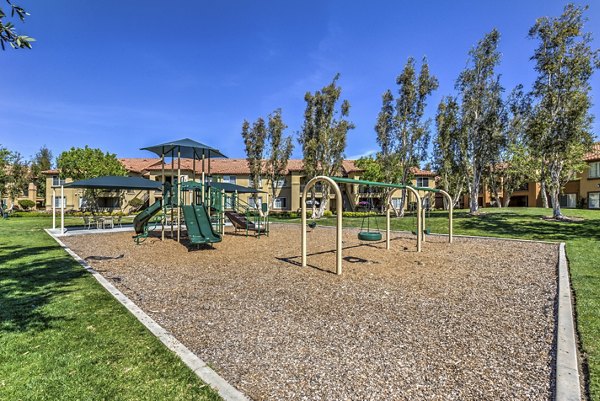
62, 209
54, 208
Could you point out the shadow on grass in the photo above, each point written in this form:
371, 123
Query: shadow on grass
533, 226
29, 279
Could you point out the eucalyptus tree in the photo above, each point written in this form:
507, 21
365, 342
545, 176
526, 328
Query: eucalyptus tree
8, 32
279, 150
323, 137
4, 163
561, 123
18, 176
450, 149
480, 95
402, 132
40, 162
254, 141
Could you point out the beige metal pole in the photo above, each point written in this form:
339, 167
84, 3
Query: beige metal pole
54, 208
222, 217
172, 183
203, 179
339, 211
179, 194
387, 228
162, 220
303, 223
419, 223
450, 212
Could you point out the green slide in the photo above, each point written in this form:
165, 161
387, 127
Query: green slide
198, 225
141, 220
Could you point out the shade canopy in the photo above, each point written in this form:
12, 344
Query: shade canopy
116, 182
188, 149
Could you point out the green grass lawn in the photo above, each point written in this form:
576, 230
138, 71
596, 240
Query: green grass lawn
583, 251
63, 337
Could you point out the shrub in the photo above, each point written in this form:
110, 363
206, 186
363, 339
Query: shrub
327, 213
358, 214
26, 204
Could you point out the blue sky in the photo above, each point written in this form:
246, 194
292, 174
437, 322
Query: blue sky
123, 75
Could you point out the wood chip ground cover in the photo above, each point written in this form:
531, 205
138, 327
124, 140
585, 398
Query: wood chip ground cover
469, 320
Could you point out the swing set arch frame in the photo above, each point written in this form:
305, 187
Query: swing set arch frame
333, 182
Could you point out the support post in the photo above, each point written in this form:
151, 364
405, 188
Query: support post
203, 178
387, 228
339, 211
171, 191
162, 220
62, 209
450, 214
178, 194
222, 216
54, 208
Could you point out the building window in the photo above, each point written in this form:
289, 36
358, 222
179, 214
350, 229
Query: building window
252, 202
280, 203
280, 183
396, 202
230, 179
56, 181
594, 170
568, 200
58, 203
422, 181
251, 182
594, 200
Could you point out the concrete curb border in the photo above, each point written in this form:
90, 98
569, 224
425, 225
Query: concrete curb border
567, 366
197, 365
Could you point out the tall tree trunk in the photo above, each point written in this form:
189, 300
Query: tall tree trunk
507, 196
474, 192
555, 172
544, 193
400, 210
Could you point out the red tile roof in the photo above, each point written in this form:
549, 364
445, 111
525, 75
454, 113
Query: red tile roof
137, 165
226, 166
593, 154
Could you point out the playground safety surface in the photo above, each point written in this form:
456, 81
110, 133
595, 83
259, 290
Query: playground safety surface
469, 320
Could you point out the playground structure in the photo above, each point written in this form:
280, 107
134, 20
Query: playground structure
202, 204
366, 235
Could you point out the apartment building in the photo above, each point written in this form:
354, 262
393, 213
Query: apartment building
235, 171
582, 192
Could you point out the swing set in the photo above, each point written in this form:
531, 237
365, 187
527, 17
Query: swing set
367, 233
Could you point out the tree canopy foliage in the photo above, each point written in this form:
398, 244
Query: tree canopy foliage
402, 132
323, 136
8, 32
561, 124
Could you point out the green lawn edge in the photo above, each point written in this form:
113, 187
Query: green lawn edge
64, 337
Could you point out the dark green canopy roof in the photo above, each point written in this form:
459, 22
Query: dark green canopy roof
115, 182
188, 148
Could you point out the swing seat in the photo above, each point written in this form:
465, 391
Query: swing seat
369, 236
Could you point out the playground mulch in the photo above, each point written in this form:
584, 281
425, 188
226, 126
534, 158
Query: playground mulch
469, 320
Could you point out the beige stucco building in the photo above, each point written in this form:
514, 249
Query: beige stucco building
236, 171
